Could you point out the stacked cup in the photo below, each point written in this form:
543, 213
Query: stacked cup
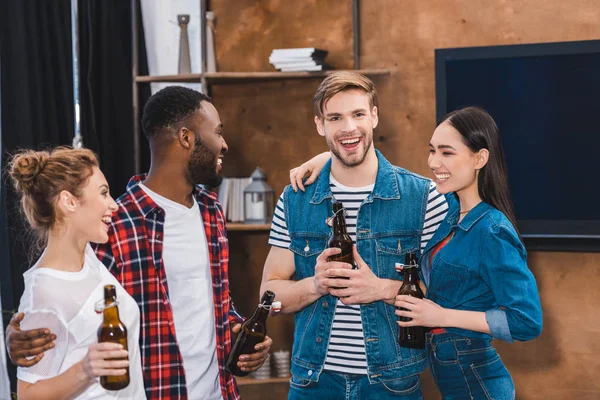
281, 363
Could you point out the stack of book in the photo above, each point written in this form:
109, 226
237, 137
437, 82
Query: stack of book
231, 197
302, 59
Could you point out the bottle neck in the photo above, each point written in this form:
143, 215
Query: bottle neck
411, 275
111, 312
261, 313
339, 224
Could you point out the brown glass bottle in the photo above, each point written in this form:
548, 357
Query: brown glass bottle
339, 237
253, 332
114, 331
412, 336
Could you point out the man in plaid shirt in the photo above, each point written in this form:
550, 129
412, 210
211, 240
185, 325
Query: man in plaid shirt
168, 248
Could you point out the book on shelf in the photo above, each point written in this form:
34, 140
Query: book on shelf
299, 69
231, 197
300, 52
296, 64
303, 59
288, 60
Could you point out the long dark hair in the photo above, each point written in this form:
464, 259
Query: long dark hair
479, 131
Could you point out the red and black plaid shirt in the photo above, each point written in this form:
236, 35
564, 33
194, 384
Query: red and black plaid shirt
134, 255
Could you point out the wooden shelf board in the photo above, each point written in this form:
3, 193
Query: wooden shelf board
237, 77
169, 78
252, 381
231, 226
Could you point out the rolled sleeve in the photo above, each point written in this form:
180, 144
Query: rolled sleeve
496, 319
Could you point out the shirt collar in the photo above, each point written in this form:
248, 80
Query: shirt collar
471, 218
386, 183
146, 205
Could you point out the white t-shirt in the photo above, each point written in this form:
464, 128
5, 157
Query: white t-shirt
64, 303
4, 384
187, 266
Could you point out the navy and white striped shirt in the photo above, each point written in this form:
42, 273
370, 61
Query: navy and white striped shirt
346, 351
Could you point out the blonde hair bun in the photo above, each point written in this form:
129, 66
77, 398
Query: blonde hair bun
26, 167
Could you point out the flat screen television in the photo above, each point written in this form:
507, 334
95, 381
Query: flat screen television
545, 99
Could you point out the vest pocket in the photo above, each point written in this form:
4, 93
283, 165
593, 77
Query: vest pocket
392, 250
306, 249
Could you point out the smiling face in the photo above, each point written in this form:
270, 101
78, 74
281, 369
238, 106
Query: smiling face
92, 216
455, 166
347, 125
205, 163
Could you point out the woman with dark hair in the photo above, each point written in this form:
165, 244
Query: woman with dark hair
65, 199
475, 266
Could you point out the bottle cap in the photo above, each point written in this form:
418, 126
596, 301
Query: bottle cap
100, 306
276, 306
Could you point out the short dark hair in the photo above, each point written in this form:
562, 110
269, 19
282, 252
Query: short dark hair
169, 107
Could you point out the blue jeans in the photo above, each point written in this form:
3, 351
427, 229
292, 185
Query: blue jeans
466, 368
337, 386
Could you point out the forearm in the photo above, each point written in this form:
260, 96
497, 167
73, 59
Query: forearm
469, 320
67, 385
293, 295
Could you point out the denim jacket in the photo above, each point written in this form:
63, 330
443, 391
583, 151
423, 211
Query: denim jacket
483, 268
389, 225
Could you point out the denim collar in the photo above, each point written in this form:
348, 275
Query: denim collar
386, 184
471, 218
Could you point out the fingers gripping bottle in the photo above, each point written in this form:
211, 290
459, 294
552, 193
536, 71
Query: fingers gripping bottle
412, 336
253, 332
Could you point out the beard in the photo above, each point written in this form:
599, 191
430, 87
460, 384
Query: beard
367, 143
202, 167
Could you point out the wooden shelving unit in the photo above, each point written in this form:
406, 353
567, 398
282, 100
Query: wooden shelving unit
239, 227
248, 242
252, 381
239, 77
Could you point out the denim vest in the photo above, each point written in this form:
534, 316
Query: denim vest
389, 225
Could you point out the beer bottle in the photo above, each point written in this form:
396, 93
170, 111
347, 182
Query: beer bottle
339, 236
114, 331
253, 332
412, 336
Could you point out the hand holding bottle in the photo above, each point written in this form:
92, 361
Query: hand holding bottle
362, 285
105, 359
423, 312
253, 361
252, 345
325, 277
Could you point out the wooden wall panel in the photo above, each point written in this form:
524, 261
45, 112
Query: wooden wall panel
270, 124
247, 31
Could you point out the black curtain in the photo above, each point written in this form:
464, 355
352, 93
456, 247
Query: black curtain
37, 110
36, 100
106, 95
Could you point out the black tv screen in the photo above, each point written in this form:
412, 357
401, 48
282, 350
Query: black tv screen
545, 99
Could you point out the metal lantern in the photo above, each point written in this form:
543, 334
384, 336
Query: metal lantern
258, 199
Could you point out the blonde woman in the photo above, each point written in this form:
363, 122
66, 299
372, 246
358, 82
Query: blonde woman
66, 200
